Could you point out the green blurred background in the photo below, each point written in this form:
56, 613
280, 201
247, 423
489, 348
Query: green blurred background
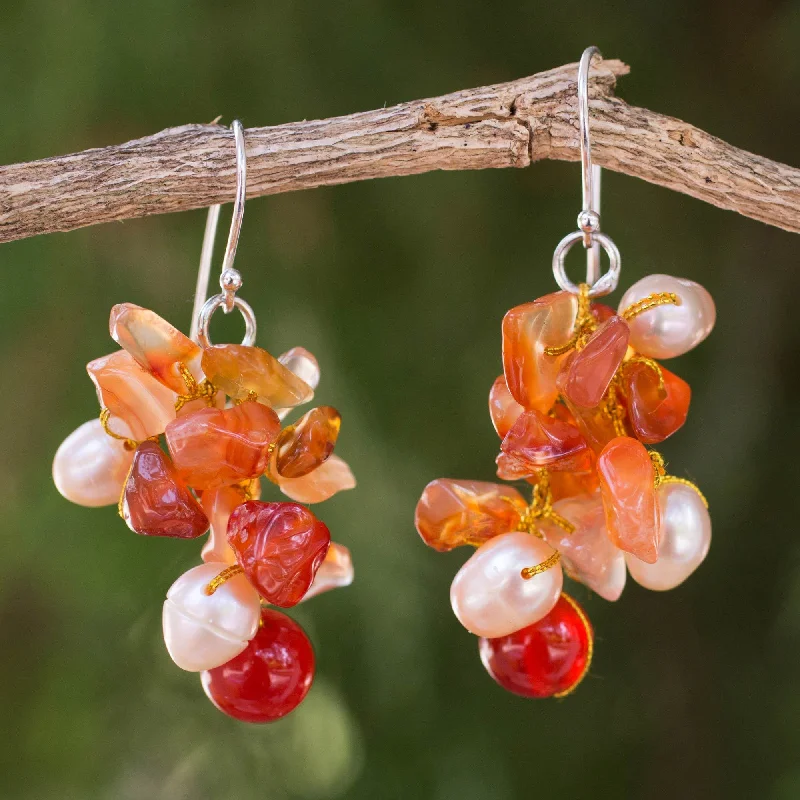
398, 286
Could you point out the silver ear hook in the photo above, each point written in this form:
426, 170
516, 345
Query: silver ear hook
230, 280
589, 218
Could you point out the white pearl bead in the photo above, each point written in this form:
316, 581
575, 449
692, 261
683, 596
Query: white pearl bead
90, 466
204, 631
489, 595
667, 331
684, 541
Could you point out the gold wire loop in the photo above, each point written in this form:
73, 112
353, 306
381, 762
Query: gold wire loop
226, 574
550, 561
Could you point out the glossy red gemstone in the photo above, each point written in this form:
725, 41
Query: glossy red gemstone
537, 440
269, 678
657, 401
546, 659
280, 547
155, 502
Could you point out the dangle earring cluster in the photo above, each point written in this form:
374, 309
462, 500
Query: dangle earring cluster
581, 397
219, 409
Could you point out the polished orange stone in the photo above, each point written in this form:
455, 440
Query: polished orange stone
509, 469
503, 408
218, 505
539, 441
331, 477
216, 447
527, 331
132, 395
655, 411
244, 372
629, 497
574, 484
302, 447
154, 500
601, 312
586, 373
280, 547
156, 345
451, 513
595, 424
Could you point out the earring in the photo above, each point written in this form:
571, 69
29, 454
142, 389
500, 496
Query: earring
256, 663
581, 395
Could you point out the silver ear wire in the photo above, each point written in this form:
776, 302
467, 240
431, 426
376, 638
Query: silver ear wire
589, 217
230, 280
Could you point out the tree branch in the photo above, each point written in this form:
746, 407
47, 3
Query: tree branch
507, 125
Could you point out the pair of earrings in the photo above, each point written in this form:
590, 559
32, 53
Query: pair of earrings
581, 395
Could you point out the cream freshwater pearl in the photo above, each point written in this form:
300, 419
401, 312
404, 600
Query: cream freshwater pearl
684, 540
90, 466
489, 595
667, 331
204, 631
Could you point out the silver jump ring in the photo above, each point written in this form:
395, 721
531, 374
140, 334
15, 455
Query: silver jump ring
218, 301
606, 283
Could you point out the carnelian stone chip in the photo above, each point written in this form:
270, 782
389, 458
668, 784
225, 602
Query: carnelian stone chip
156, 345
595, 424
302, 447
629, 497
655, 411
451, 513
269, 678
538, 441
503, 408
280, 547
527, 331
215, 447
244, 372
155, 502
545, 659
587, 372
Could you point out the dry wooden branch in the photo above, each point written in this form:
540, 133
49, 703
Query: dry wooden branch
507, 125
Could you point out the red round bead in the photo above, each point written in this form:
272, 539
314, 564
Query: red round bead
269, 678
545, 659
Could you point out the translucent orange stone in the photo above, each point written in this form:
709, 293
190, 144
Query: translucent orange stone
302, 447
218, 505
155, 502
451, 513
333, 476
335, 572
132, 395
216, 447
156, 345
601, 312
629, 497
252, 373
572, 484
539, 441
655, 411
587, 372
503, 408
509, 469
280, 547
527, 330
303, 364
595, 424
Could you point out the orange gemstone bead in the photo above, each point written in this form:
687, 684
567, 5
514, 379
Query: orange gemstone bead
451, 513
527, 331
280, 547
655, 410
595, 425
244, 372
302, 447
587, 372
572, 484
155, 502
216, 447
131, 394
537, 441
156, 345
503, 408
629, 497
509, 469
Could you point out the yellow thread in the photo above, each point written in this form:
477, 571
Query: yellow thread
205, 390
585, 323
648, 362
685, 482
613, 408
589, 648
225, 575
130, 444
651, 301
658, 467
549, 562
